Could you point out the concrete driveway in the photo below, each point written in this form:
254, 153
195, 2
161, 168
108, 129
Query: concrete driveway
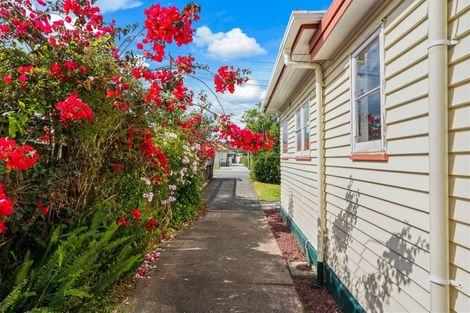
228, 261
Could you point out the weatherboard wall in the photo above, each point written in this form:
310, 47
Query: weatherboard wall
377, 212
299, 183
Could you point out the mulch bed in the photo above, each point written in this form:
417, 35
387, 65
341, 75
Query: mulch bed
316, 300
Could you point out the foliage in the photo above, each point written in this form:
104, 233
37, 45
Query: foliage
265, 166
100, 150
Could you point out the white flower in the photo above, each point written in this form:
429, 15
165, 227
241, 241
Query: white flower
185, 148
146, 180
148, 196
185, 160
172, 135
172, 187
183, 171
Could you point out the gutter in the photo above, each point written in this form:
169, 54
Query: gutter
321, 160
438, 156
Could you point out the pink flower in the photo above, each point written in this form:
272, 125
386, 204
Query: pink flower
23, 78
7, 79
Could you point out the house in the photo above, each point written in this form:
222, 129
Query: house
223, 157
374, 101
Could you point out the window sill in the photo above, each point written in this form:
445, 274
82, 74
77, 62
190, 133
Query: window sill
303, 158
380, 157
285, 158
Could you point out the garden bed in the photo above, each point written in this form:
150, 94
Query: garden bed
314, 299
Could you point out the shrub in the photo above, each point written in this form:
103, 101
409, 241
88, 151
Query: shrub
266, 167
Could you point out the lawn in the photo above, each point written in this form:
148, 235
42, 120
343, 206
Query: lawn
267, 192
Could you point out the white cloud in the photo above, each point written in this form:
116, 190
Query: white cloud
249, 92
107, 6
230, 45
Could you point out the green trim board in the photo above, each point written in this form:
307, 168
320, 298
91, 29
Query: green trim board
335, 286
301, 238
341, 293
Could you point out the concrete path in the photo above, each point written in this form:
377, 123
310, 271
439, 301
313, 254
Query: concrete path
228, 261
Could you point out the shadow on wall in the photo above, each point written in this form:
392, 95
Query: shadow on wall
391, 270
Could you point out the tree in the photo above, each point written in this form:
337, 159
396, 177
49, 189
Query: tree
266, 164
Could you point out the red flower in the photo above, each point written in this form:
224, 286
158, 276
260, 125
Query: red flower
150, 224
136, 214
3, 228
140, 46
52, 41
55, 69
226, 79
4, 28
122, 221
73, 108
22, 158
7, 79
70, 65
44, 210
6, 206
68, 19
25, 69
83, 70
7, 145
40, 204
117, 168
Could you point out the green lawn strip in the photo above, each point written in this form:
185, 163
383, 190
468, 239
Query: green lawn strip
267, 192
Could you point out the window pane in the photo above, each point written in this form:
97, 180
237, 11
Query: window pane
306, 115
368, 114
297, 120
299, 140
368, 68
306, 138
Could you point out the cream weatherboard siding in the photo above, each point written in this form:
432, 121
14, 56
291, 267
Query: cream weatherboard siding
377, 212
299, 183
459, 153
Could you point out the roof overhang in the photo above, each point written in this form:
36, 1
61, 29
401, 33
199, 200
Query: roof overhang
300, 29
312, 36
340, 20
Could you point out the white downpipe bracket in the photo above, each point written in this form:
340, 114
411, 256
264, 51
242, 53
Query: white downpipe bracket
438, 156
444, 282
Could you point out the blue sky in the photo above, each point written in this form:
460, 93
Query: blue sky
242, 33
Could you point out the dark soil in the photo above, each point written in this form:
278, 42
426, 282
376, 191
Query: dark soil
316, 300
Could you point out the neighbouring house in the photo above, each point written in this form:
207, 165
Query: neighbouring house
374, 101
223, 157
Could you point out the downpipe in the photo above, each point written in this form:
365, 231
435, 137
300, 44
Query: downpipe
320, 159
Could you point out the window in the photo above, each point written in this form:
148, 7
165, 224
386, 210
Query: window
302, 128
306, 127
285, 146
367, 101
298, 129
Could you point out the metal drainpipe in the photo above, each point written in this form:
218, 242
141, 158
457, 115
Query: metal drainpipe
438, 156
321, 165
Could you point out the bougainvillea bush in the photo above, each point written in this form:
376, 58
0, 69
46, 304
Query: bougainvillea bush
101, 150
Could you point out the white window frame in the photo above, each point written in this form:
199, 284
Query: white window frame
284, 135
375, 145
300, 128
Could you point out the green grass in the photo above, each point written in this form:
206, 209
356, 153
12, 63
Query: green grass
267, 192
